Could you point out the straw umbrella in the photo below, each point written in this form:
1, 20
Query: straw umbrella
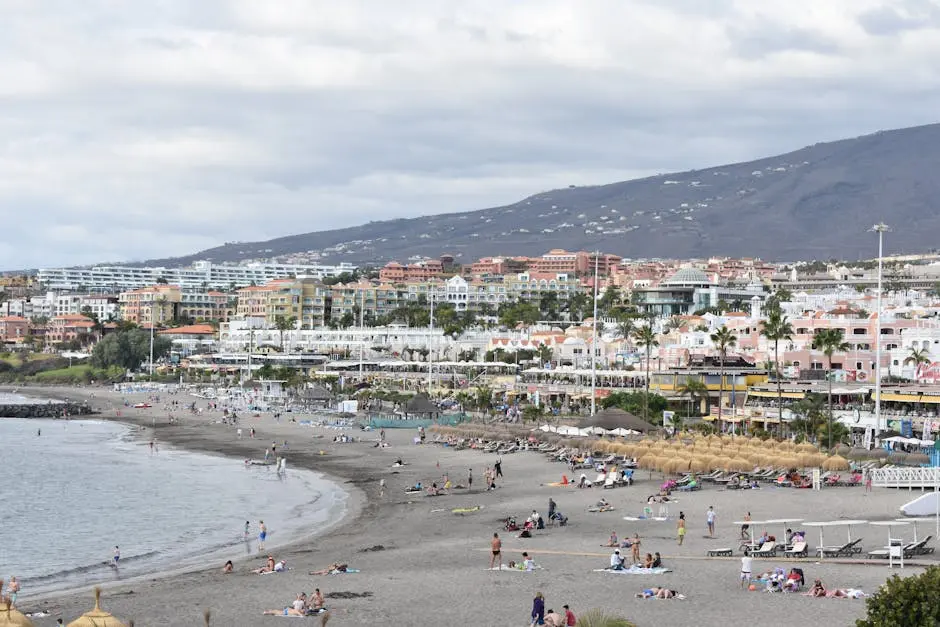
96, 617
10, 616
836, 462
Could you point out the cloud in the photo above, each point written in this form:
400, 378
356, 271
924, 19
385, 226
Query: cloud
144, 130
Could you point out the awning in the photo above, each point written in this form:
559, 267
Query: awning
909, 398
770, 394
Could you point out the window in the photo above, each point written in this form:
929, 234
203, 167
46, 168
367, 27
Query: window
859, 331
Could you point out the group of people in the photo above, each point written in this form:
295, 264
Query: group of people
304, 606
270, 566
565, 618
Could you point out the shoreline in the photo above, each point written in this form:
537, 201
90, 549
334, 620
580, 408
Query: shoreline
420, 562
336, 512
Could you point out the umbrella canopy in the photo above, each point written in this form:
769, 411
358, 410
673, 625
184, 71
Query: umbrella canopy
836, 462
12, 617
316, 393
96, 617
616, 418
421, 404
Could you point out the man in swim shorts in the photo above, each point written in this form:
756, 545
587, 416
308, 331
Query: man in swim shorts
262, 534
497, 547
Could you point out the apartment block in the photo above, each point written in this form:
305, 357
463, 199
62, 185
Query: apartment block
305, 299
69, 328
394, 272
375, 300
13, 329
154, 305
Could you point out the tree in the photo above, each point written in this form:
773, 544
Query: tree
544, 354
909, 601
830, 341
634, 402
723, 339
626, 325
775, 328
645, 337
484, 399
609, 299
673, 324
284, 323
128, 349
548, 304
578, 306
919, 357
696, 390
516, 313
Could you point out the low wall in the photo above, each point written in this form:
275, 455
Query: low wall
52, 409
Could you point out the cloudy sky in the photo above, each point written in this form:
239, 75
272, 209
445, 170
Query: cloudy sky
134, 130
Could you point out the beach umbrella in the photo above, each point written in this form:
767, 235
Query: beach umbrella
9, 616
648, 462
897, 457
878, 453
836, 462
96, 617
738, 464
857, 454
805, 447
842, 449
918, 459
698, 465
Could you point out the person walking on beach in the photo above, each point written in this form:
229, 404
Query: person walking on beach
635, 549
13, 588
680, 528
496, 546
262, 534
498, 466
538, 610
382, 488
746, 569
746, 526
247, 529
470, 480
117, 556
710, 520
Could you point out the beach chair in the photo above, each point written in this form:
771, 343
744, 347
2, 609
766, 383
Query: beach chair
797, 550
886, 551
923, 549
846, 550
601, 478
767, 549
834, 480
722, 552
610, 482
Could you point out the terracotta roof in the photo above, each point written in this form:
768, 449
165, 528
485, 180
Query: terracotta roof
13, 319
192, 329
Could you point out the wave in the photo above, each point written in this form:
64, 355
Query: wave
88, 568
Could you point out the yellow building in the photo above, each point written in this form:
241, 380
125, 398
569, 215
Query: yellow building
157, 304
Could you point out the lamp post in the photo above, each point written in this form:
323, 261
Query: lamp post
430, 339
879, 228
594, 343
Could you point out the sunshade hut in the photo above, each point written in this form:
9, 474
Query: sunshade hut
616, 418
420, 405
836, 462
96, 617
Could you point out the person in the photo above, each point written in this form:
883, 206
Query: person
868, 480
382, 488
316, 598
13, 589
268, 566
635, 549
746, 565
818, 590
117, 556
746, 526
498, 467
247, 529
657, 560
680, 528
792, 584
648, 562
554, 619
334, 568
657, 593
710, 520
528, 564
262, 534
496, 546
616, 560
297, 608
538, 610
763, 537
551, 508
228, 568
470, 480
613, 541
570, 619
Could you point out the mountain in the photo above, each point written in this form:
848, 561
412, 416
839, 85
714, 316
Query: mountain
813, 203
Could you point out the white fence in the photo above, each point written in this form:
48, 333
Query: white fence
909, 478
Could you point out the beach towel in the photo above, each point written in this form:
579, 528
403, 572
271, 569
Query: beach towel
515, 570
601, 509
636, 518
466, 510
635, 570
343, 572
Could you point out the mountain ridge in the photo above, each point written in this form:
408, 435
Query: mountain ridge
815, 202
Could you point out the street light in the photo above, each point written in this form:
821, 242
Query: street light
880, 229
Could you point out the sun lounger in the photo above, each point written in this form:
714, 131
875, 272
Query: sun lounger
610, 481
921, 547
723, 552
846, 550
601, 478
767, 549
886, 551
797, 550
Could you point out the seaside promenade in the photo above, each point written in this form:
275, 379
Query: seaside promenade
422, 564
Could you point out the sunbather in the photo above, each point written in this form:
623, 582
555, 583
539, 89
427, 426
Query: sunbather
818, 590
648, 561
297, 608
271, 566
613, 541
228, 568
657, 561
335, 567
657, 593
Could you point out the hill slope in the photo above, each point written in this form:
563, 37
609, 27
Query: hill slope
813, 203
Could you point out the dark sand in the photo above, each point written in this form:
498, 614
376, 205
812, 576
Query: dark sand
432, 567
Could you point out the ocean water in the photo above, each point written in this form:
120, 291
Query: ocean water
69, 495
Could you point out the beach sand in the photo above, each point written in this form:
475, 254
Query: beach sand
432, 568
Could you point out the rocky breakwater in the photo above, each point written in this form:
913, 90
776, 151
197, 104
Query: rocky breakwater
44, 409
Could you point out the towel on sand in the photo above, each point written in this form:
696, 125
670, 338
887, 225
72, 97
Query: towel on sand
635, 570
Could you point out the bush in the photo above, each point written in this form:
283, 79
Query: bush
597, 618
908, 602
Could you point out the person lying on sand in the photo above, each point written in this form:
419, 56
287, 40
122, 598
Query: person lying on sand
228, 568
268, 566
658, 593
297, 608
335, 567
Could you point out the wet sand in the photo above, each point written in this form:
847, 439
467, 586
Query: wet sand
432, 564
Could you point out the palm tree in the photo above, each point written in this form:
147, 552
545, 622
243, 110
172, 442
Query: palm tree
775, 328
830, 341
919, 357
625, 326
723, 339
695, 389
646, 338
284, 323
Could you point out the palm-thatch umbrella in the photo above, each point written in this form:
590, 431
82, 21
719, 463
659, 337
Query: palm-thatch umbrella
897, 457
698, 465
805, 447
648, 461
918, 459
878, 453
842, 449
738, 464
96, 617
857, 454
835, 462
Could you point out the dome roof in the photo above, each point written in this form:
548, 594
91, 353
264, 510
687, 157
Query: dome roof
96, 617
10, 617
688, 276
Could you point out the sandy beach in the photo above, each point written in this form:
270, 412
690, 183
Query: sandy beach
429, 565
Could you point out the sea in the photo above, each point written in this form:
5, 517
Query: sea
70, 491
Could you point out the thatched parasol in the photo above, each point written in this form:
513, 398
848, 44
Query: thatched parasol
805, 447
836, 462
918, 459
898, 457
857, 454
10, 616
96, 617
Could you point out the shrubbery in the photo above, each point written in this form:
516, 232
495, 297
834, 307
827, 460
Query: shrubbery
905, 602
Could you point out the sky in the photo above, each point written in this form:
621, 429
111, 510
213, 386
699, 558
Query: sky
136, 130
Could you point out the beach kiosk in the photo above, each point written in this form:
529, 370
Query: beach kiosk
96, 617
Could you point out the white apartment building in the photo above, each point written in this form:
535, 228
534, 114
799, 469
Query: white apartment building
237, 335
202, 274
103, 306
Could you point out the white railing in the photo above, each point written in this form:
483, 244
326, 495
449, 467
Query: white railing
906, 477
